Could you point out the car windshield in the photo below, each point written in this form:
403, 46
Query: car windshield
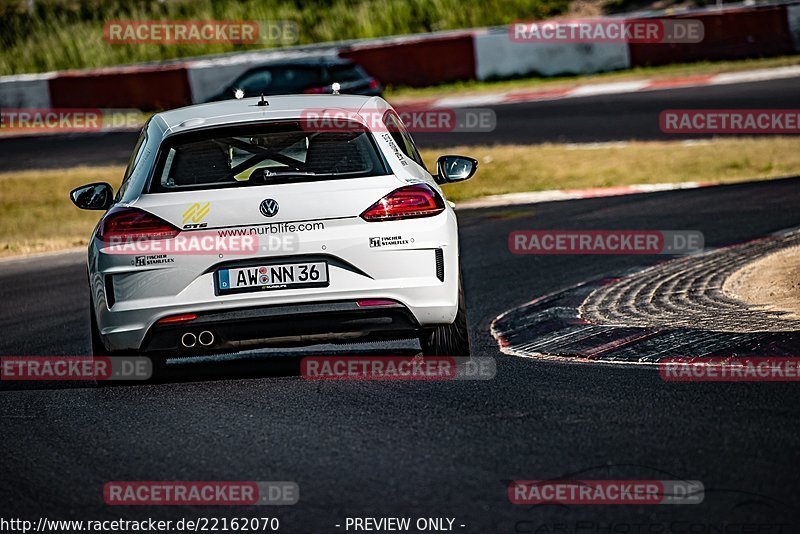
265, 154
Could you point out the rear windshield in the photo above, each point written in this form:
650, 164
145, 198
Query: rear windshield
264, 154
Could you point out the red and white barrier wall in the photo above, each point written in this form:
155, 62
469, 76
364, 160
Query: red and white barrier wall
497, 57
26, 90
742, 33
793, 18
417, 60
122, 87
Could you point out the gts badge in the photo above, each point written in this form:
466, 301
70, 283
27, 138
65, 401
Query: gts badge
193, 216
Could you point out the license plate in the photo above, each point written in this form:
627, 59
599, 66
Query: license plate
271, 277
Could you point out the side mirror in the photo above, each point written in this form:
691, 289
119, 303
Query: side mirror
97, 196
455, 169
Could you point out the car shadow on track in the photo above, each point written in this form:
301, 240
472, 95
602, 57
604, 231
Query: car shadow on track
252, 364
260, 364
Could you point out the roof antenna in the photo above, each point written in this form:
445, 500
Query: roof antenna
262, 102
335, 87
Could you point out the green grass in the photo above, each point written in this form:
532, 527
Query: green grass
36, 214
60, 34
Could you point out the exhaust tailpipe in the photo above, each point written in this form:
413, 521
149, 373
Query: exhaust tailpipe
188, 340
206, 338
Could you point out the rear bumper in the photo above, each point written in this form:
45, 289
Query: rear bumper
307, 320
420, 274
285, 325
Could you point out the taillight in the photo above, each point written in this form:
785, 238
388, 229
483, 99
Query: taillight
409, 202
315, 90
173, 319
128, 224
373, 83
371, 303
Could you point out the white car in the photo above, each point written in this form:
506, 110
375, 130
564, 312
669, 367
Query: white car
250, 223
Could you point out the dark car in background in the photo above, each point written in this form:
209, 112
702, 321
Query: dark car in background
312, 75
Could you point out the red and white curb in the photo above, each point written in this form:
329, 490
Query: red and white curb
613, 88
522, 96
535, 197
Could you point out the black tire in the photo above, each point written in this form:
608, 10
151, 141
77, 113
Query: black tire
451, 339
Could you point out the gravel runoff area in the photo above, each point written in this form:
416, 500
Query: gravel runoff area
689, 292
771, 282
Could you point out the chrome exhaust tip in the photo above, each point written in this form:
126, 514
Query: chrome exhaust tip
188, 340
206, 338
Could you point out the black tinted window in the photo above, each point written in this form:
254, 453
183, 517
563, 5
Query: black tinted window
281, 80
265, 154
346, 73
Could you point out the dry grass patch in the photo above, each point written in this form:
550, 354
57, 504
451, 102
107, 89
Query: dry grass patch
36, 214
511, 169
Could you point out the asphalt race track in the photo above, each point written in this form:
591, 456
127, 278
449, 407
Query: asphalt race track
417, 449
423, 449
617, 117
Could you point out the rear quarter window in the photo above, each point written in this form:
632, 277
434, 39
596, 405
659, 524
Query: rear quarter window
136, 157
402, 138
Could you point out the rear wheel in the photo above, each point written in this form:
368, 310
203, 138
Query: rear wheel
451, 339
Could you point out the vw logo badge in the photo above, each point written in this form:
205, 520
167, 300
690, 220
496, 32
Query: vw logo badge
269, 207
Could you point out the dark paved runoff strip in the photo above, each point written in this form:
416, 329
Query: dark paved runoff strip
604, 118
